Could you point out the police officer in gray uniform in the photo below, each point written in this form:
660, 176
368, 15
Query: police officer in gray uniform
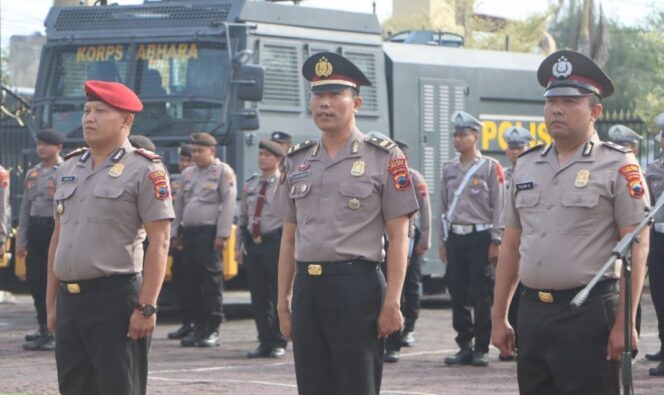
140, 141
419, 242
259, 234
107, 199
569, 204
622, 135
179, 266
655, 180
517, 139
471, 202
36, 227
204, 210
4, 208
341, 193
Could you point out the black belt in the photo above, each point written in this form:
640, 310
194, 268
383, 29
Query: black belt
97, 284
338, 268
603, 287
41, 221
198, 229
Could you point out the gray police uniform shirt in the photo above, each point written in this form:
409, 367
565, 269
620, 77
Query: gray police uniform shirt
271, 215
422, 219
102, 213
207, 197
482, 199
38, 191
341, 205
655, 180
508, 178
4, 205
570, 215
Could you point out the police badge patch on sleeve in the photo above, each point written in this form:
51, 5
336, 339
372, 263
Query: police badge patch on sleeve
160, 184
399, 171
632, 173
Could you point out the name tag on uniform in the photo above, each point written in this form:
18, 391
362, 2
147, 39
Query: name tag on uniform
66, 179
523, 186
300, 175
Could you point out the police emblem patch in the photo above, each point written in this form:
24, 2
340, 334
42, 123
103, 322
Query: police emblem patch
399, 171
582, 178
632, 174
324, 68
562, 68
160, 184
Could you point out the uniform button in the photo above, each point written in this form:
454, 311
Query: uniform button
81, 199
539, 263
578, 199
71, 245
555, 181
543, 234
549, 207
76, 222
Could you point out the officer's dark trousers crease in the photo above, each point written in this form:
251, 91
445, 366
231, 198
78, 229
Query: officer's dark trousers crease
39, 238
656, 279
334, 328
93, 353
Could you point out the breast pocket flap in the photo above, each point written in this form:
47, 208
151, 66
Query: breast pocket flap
355, 189
577, 199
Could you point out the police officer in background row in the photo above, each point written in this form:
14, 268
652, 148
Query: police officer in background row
622, 135
4, 208
471, 202
107, 199
179, 266
35, 228
342, 192
419, 243
655, 180
259, 234
284, 139
140, 141
518, 140
569, 204
204, 210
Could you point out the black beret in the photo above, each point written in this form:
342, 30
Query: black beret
273, 147
571, 73
50, 136
281, 137
185, 150
204, 139
140, 141
329, 71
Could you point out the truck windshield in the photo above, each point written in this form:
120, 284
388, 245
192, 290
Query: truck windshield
182, 85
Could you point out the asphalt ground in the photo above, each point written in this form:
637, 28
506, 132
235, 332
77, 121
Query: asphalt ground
225, 370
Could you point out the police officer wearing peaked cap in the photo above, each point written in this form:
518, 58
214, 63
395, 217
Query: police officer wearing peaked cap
204, 211
655, 180
517, 139
36, 227
471, 202
569, 203
259, 234
107, 199
621, 134
342, 192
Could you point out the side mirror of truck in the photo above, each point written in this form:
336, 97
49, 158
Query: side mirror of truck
247, 119
249, 80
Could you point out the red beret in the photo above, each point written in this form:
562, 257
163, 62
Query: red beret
114, 94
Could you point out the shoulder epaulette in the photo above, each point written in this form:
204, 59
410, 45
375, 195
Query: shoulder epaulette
149, 155
76, 152
383, 144
533, 149
616, 147
251, 177
299, 147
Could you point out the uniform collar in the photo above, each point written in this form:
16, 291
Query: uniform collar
271, 179
585, 153
117, 156
457, 160
351, 148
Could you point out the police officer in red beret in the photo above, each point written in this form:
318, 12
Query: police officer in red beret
108, 197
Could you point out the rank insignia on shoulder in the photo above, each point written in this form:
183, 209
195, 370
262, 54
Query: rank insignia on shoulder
76, 152
149, 155
383, 144
533, 149
299, 147
616, 147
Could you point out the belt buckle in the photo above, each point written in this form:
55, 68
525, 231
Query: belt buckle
258, 240
73, 288
545, 297
315, 270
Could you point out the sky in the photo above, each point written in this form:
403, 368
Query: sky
23, 17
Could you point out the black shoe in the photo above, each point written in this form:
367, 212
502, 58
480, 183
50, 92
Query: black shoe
260, 352
45, 342
462, 357
181, 332
209, 339
33, 335
191, 339
655, 356
506, 358
277, 352
658, 370
480, 358
408, 339
391, 356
